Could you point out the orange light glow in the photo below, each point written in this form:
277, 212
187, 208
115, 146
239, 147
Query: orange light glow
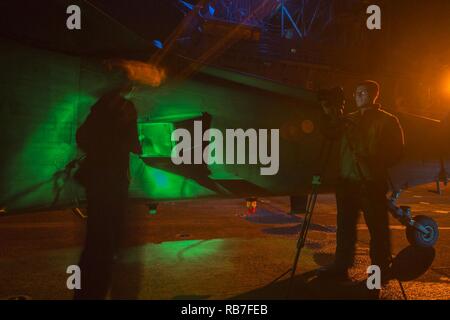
143, 72
446, 87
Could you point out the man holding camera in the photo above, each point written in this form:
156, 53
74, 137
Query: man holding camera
371, 141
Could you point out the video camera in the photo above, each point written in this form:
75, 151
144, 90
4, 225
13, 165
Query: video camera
332, 98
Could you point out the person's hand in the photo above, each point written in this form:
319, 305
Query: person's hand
325, 108
327, 111
334, 113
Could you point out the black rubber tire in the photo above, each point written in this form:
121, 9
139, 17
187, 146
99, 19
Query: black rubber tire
417, 238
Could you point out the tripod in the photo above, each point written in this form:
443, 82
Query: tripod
327, 147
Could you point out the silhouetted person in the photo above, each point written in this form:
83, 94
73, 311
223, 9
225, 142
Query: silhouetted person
371, 141
107, 137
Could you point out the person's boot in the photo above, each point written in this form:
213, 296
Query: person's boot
335, 273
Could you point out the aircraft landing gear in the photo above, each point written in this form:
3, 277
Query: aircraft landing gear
425, 234
421, 231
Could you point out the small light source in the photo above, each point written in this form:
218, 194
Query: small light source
447, 84
152, 208
211, 10
251, 204
187, 4
158, 44
443, 84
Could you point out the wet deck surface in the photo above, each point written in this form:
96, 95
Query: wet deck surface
209, 250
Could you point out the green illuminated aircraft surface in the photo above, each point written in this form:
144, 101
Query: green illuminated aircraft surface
46, 96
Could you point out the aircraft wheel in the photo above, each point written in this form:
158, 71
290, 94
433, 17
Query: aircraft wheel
417, 238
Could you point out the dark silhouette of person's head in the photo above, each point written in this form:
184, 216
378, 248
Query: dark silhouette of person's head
115, 108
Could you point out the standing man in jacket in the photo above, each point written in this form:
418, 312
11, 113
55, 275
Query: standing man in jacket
371, 141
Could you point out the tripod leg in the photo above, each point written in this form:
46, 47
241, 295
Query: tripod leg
300, 245
281, 276
302, 237
316, 181
300, 242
